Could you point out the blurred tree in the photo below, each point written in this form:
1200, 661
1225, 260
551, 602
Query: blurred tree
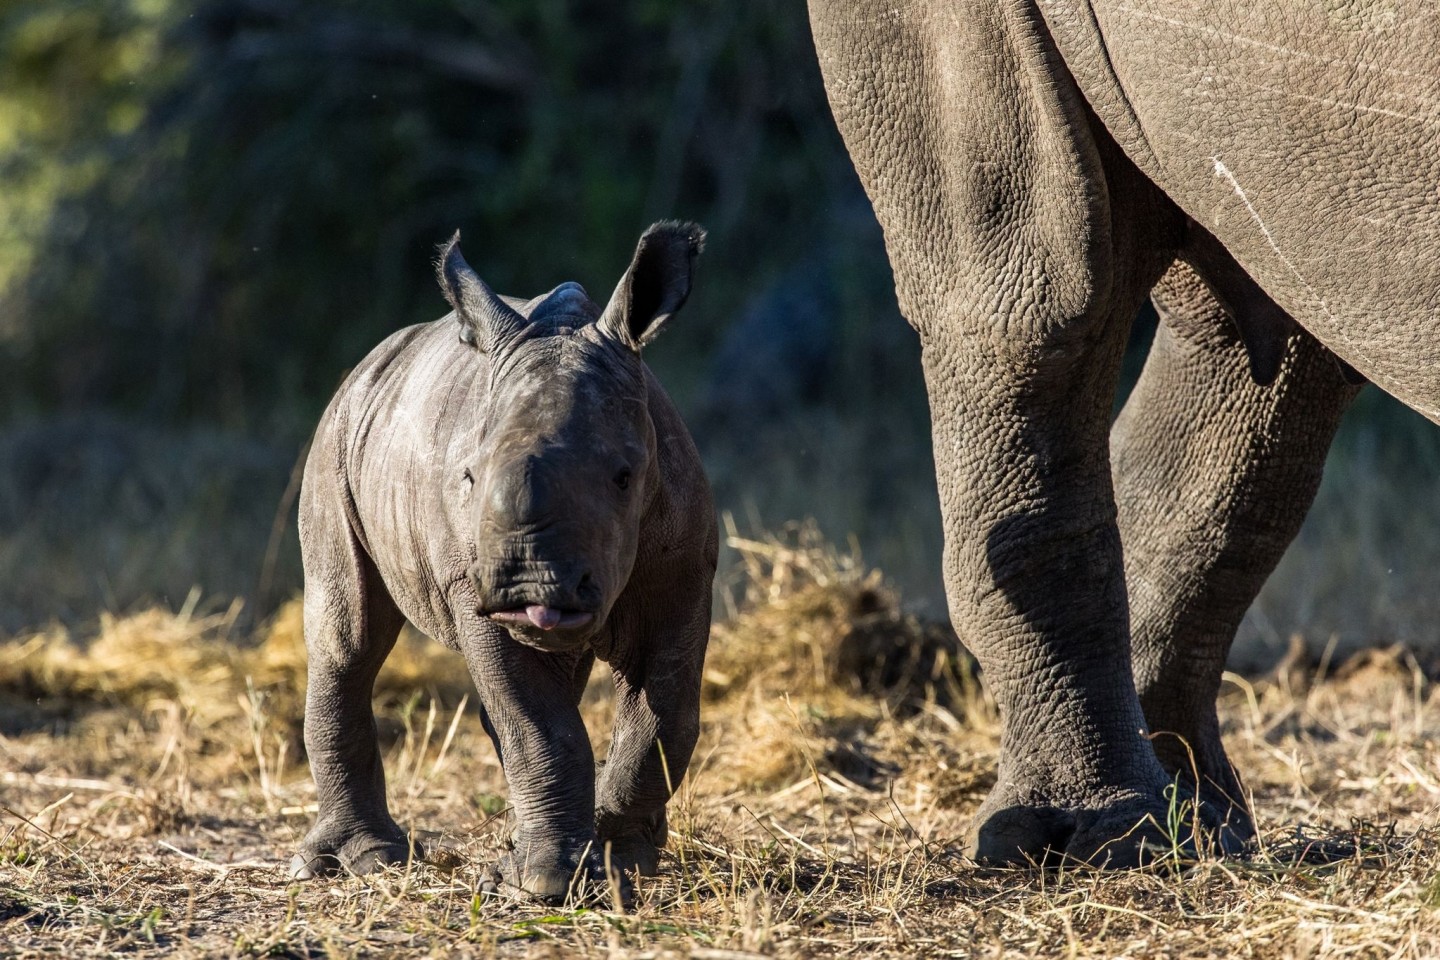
210, 209
74, 79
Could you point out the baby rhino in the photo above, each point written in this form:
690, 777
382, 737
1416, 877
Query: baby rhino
513, 480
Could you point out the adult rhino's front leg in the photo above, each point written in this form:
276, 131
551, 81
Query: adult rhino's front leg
1036, 587
1022, 245
1214, 474
528, 702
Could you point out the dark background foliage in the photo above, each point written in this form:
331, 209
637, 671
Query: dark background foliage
211, 209
266, 187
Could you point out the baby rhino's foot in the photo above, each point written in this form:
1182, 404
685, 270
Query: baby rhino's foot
357, 848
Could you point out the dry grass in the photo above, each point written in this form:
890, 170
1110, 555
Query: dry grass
153, 787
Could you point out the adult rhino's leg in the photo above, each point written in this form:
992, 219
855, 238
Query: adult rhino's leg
1213, 476
529, 703
350, 627
1022, 244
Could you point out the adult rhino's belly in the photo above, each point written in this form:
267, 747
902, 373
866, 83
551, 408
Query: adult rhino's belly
1306, 136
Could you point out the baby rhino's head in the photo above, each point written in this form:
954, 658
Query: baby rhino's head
566, 465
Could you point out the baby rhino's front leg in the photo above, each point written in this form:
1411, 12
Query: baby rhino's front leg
657, 721
529, 710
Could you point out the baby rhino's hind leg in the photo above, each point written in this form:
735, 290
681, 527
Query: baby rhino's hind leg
350, 627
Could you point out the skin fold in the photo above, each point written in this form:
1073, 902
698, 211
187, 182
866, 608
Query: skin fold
1039, 169
514, 481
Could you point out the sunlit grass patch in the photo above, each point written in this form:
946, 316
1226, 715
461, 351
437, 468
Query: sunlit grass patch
153, 787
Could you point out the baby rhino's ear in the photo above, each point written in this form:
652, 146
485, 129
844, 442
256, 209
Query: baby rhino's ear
655, 285
485, 319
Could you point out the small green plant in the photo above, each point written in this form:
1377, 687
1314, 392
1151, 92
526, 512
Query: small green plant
1181, 825
491, 804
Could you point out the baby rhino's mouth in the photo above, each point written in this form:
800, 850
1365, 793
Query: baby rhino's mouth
544, 618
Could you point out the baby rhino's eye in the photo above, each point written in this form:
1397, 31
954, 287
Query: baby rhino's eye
469, 479
622, 479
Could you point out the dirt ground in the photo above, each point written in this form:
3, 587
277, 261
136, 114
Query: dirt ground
152, 788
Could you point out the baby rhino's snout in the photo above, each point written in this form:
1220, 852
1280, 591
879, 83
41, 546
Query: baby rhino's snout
534, 574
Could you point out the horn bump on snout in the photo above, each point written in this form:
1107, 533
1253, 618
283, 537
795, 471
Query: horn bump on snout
484, 316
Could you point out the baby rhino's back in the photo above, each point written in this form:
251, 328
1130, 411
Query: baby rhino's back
388, 460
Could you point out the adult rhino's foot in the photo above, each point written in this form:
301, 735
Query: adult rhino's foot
632, 844
634, 856
555, 879
1229, 829
1125, 830
358, 849
1206, 776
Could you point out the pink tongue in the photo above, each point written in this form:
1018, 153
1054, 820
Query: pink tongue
543, 617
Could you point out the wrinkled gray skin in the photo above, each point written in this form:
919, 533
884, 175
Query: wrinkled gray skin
513, 480
1039, 168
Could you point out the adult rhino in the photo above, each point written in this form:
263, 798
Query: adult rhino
1039, 168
